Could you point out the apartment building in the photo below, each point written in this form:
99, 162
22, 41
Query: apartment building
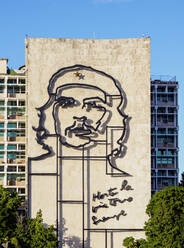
13, 128
164, 133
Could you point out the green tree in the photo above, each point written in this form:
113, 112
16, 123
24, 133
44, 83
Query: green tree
165, 226
33, 234
182, 180
9, 202
130, 242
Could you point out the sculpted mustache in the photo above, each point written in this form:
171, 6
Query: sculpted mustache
77, 129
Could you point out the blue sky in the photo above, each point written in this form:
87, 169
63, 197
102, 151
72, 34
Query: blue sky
162, 20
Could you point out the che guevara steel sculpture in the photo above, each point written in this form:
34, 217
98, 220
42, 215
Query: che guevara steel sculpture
81, 112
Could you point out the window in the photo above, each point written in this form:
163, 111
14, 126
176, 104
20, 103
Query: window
171, 130
12, 103
1, 81
11, 111
152, 162
1, 146
21, 146
1, 155
1, 168
161, 131
171, 152
170, 160
15, 179
16, 133
21, 81
21, 190
12, 133
161, 110
171, 89
1, 103
21, 103
170, 118
12, 190
161, 98
16, 89
160, 139
170, 139
21, 169
11, 155
171, 110
1, 178
161, 152
12, 169
152, 130
15, 155
12, 81
2, 111
22, 89
1, 124
1, 132
171, 173
12, 125
161, 173
1, 89
170, 98
21, 125
161, 89
12, 147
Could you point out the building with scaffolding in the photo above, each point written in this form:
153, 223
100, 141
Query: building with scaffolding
12, 128
164, 132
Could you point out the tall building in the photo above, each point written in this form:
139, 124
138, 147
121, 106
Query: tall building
12, 128
164, 133
164, 130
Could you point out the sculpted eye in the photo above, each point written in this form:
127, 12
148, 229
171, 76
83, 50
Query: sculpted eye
64, 103
89, 105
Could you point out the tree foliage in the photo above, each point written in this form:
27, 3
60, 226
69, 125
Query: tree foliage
33, 234
165, 226
130, 242
30, 233
9, 202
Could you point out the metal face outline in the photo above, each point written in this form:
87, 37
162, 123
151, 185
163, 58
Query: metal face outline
42, 133
85, 127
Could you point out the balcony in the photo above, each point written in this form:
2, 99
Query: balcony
165, 145
166, 103
165, 124
17, 139
1, 179
1, 160
16, 161
17, 116
165, 166
16, 180
11, 95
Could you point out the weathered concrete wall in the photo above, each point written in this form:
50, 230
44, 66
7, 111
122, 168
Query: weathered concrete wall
3, 66
66, 184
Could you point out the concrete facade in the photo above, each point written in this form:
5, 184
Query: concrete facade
89, 137
3, 66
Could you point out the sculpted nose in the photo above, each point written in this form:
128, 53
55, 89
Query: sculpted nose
82, 118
